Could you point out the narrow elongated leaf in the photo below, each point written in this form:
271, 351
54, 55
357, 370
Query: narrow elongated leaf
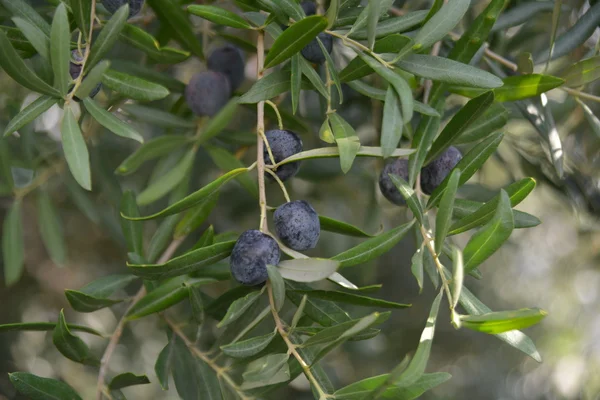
127, 379
81, 10
171, 14
332, 12
267, 370
163, 185
164, 296
292, 9
150, 150
95, 295
157, 117
163, 364
422, 140
582, 72
107, 37
278, 286
372, 19
444, 215
503, 321
448, 71
16, 68
465, 117
92, 79
239, 307
76, 152
391, 126
194, 198
515, 338
390, 26
441, 23
268, 87
416, 267
13, 246
329, 152
195, 217
219, 16
142, 40
70, 345
463, 208
409, 195
219, 122
184, 264
332, 225
351, 298
60, 50
494, 118
248, 347
346, 139
521, 13
373, 247
517, 192
296, 81
360, 389
23, 10
516, 87
371, 11
50, 229
226, 162
133, 231
44, 326
332, 70
194, 379
307, 269
37, 388
468, 165
458, 273
325, 313
489, 239
29, 113
111, 122
133, 87
35, 36
293, 39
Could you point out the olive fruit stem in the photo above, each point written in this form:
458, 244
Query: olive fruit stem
292, 347
279, 120
281, 185
86, 54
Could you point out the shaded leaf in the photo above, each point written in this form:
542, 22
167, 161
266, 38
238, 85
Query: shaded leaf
29, 113
127, 379
111, 122
13, 246
38, 388
277, 285
239, 307
150, 150
71, 346
503, 321
351, 298
76, 152
409, 195
219, 16
50, 229
107, 37
444, 214
248, 347
133, 87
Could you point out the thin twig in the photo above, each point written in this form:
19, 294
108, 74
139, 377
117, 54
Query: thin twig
346, 40
581, 95
274, 107
281, 185
292, 347
86, 54
116, 336
260, 130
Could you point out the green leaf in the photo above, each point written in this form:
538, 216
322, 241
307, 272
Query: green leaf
448, 71
332, 12
278, 286
194, 379
16, 68
127, 379
372, 19
219, 16
194, 198
582, 72
44, 326
13, 246
95, 295
166, 183
292, 9
29, 113
393, 25
421, 142
374, 247
23, 10
226, 162
170, 14
515, 338
517, 192
329, 152
60, 49
239, 307
307, 269
332, 71
142, 40
335, 226
441, 23
267, 370
468, 165
503, 321
35, 36
325, 313
219, 122
410, 196
293, 39
248, 347
517, 87
133, 87
463, 208
133, 231
399, 84
76, 152
186, 263
296, 81
81, 10
346, 139
391, 126
50, 229
416, 267
494, 118
521, 13
443, 218
268, 87
164, 296
37, 388
491, 237
157, 117
150, 150
164, 361
457, 275
107, 37
461, 120
195, 217
92, 79
360, 389
575, 36
373, 11
351, 298
110, 121
71, 346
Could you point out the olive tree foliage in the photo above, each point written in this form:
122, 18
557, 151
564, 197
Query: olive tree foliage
407, 60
